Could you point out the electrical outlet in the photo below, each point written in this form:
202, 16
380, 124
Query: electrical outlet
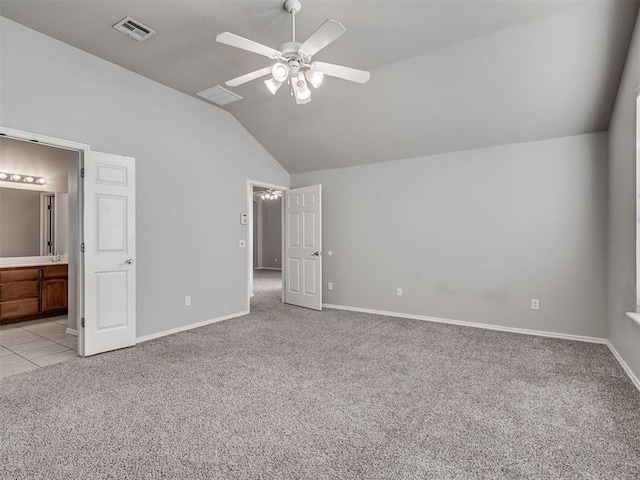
330, 286
535, 304
276, 260
242, 243
187, 301
399, 291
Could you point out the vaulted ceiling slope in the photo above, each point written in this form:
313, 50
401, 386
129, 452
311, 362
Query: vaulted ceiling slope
446, 75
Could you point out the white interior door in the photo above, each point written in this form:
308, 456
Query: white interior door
303, 247
109, 252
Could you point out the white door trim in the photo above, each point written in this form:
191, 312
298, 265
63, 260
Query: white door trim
43, 140
81, 148
250, 185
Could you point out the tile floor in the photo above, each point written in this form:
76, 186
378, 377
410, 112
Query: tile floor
29, 345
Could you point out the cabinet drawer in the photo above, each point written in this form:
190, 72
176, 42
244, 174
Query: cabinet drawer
19, 291
19, 275
52, 271
19, 308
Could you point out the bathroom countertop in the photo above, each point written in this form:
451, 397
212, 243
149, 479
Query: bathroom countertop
14, 262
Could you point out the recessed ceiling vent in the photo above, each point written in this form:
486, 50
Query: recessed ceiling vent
219, 96
134, 29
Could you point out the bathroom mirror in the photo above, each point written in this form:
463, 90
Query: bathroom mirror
32, 223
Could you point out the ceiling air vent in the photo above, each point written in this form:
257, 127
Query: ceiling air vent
134, 29
219, 96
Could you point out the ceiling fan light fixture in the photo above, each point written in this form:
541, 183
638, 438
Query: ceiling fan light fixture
315, 77
301, 90
280, 72
273, 85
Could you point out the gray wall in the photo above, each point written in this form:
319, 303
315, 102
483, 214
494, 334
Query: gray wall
192, 159
473, 235
624, 334
73, 232
19, 223
61, 230
270, 221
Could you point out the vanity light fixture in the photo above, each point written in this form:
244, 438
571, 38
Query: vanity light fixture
17, 178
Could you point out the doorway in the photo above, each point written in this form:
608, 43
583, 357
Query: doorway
265, 278
101, 244
39, 279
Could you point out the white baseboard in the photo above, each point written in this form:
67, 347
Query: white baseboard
184, 328
525, 331
624, 365
72, 331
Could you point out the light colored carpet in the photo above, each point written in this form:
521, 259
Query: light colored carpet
292, 393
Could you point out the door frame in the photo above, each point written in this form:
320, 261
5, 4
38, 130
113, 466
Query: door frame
250, 185
75, 236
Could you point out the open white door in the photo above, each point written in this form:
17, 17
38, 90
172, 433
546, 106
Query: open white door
109, 252
303, 247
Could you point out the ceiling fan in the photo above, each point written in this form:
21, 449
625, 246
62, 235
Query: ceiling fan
268, 194
293, 62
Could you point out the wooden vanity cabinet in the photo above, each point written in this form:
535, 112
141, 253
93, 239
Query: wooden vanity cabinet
53, 288
27, 293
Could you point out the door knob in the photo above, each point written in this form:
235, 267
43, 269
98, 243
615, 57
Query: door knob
128, 261
316, 254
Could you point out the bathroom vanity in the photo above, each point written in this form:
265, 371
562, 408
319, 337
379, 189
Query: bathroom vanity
33, 291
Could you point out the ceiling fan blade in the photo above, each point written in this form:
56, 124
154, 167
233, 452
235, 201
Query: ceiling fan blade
345, 73
323, 36
246, 44
247, 77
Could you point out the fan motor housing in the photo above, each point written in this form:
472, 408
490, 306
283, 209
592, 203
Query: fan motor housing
290, 50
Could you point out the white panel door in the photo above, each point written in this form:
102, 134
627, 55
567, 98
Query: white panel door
109, 252
303, 247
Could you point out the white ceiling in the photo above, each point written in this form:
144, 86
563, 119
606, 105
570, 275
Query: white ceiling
445, 75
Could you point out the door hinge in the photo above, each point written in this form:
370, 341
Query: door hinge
82, 247
82, 322
82, 173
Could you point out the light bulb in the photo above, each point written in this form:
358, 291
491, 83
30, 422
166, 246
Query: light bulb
273, 85
315, 77
3, 176
41, 181
280, 72
29, 179
16, 178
